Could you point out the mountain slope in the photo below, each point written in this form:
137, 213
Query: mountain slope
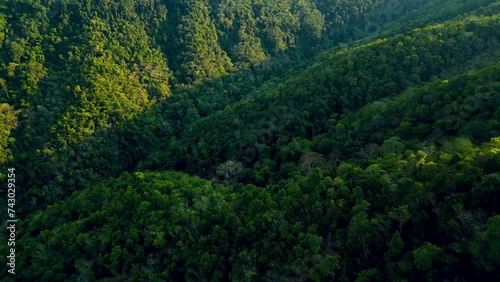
350, 223
374, 160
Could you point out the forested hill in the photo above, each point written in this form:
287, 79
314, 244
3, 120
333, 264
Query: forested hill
249, 140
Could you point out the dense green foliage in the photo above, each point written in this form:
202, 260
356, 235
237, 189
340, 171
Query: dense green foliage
251, 140
347, 223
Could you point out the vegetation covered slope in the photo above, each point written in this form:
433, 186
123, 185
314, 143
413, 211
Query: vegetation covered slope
429, 215
376, 160
260, 130
72, 69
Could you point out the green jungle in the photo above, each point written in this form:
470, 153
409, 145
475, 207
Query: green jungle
250, 140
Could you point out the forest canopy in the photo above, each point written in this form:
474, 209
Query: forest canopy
250, 140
